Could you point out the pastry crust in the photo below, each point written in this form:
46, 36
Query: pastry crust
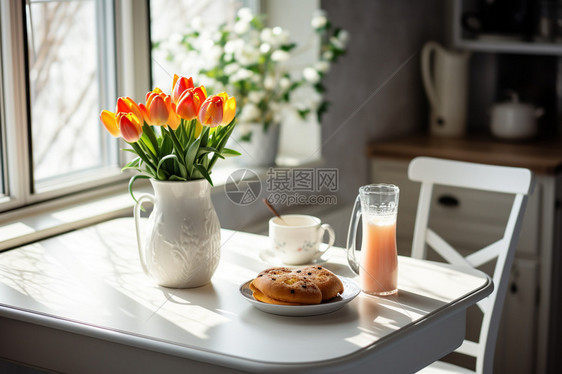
328, 283
304, 286
287, 287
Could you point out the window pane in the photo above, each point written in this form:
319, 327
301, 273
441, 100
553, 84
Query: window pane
169, 22
64, 87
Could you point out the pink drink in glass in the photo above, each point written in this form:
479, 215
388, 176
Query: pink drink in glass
379, 262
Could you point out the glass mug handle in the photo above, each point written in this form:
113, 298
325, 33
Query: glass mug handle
352, 235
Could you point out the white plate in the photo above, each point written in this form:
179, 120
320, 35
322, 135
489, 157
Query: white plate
269, 257
350, 291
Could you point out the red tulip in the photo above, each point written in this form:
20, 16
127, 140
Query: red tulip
190, 101
217, 110
130, 126
179, 85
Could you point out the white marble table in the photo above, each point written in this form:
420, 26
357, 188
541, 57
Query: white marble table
79, 302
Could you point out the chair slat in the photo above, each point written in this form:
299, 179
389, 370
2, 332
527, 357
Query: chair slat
487, 253
468, 348
470, 175
445, 249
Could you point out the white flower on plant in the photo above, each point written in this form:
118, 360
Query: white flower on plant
319, 21
245, 14
247, 55
284, 83
196, 23
240, 75
275, 36
305, 97
322, 66
340, 41
311, 75
256, 96
241, 27
212, 56
232, 46
282, 36
280, 56
249, 113
266, 35
265, 47
231, 68
343, 35
328, 55
269, 82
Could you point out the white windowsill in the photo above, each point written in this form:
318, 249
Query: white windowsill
40, 221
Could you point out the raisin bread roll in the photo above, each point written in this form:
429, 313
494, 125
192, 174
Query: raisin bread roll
328, 283
287, 286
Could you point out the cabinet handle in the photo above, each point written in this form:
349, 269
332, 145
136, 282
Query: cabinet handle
448, 201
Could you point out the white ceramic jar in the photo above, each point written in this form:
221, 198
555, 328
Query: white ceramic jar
515, 120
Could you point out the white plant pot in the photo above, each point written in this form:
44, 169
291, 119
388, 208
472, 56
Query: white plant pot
262, 148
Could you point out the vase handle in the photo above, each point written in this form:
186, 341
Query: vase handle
137, 216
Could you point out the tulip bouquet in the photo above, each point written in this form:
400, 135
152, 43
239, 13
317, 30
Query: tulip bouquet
176, 137
255, 63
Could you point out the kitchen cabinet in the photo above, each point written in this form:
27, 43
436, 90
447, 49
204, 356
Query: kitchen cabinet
470, 220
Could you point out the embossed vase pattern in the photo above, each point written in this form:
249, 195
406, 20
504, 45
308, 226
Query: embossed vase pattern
180, 246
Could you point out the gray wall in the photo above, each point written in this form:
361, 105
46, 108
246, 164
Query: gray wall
384, 34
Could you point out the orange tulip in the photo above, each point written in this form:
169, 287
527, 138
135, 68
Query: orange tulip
174, 120
127, 105
217, 110
158, 110
109, 122
190, 101
179, 85
130, 126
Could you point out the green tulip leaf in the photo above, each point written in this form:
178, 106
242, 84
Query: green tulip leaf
204, 172
228, 152
132, 181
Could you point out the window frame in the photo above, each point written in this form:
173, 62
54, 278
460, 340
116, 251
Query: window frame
118, 45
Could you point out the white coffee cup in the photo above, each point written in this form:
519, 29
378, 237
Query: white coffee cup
296, 239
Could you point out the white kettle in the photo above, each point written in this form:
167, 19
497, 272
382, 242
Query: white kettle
445, 79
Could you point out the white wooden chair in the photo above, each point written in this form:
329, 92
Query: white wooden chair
516, 181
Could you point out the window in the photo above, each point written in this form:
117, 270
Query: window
58, 71
172, 22
65, 56
167, 25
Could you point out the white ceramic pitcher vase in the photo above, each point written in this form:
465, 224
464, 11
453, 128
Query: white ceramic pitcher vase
181, 246
445, 79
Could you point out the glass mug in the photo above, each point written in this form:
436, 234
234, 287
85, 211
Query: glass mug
377, 205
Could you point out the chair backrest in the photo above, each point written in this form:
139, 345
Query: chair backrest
510, 180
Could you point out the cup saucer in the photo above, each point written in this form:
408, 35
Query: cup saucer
268, 256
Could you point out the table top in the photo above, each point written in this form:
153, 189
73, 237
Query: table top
90, 282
